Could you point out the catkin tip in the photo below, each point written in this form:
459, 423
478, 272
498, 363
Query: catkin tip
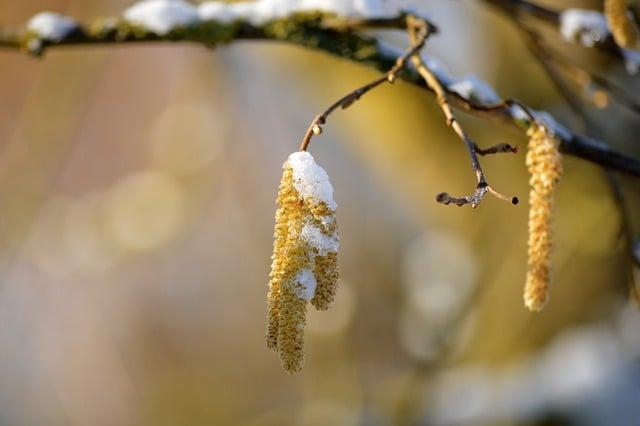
536, 293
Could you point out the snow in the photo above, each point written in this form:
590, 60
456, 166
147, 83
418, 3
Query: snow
586, 26
215, 11
310, 180
51, 26
323, 243
518, 113
306, 287
261, 11
162, 16
543, 118
557, 129
470, 87
437, 67
589, 27
474, 89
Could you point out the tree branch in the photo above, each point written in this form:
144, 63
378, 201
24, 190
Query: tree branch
320, 31
520, 8
482, 187
315, 128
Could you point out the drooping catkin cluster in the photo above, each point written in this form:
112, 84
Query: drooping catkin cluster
545, 167
620, 23
304, 261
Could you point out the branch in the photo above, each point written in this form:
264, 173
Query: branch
315, 128
418, 31
320, 31
519, 8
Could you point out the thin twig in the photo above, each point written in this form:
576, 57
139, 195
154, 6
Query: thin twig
315, 128
495, 149
416, 30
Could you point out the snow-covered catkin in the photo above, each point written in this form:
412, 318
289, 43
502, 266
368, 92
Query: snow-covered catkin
326, 264
545, 167
304, 261
620, 23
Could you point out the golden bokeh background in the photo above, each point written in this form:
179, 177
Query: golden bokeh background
137, 189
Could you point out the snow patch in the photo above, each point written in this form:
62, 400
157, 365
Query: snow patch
261, 11
547, 120
51, 26
216, 11
310, 180
321, 242
438, 68
474, 89
587, 27
518, 113
306, 284
161, 16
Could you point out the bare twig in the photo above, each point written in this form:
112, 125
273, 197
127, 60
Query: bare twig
315, 128
495, 149
416, 30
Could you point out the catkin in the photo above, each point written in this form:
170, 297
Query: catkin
326, 271
303, 268
545, 167
326, 265
291, 331
622, 27
285, 218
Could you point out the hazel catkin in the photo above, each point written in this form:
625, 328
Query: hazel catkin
545, 169
304, 261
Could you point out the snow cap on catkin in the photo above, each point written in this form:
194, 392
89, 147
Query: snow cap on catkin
620, 23
304, 261
545, 167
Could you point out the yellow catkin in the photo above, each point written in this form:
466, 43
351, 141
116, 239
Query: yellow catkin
288, 255
286, 195
298, 258
622, 27
326, 265
545, 167
326, 271
291, 331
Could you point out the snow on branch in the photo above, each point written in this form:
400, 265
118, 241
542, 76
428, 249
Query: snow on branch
335, 29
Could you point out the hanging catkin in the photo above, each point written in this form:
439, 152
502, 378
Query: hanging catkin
545, 167
304, 261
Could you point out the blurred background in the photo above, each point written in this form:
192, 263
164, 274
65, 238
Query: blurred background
137, 189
